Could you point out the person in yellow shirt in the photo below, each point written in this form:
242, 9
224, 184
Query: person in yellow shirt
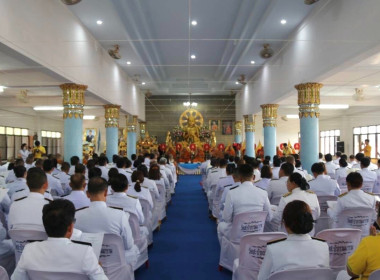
38, 150
287, 151
367, 148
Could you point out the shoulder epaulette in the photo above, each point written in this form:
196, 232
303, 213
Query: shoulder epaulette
258, 180
369, 193
311, 180
47, 191
20, 190
81, 208
227, 186
343, 194
48, 199
81, 243
129, 172
309, 191
55, 176
275, 179
145, 187
64, 195
234, 188
135, 197
276, 241
287, 194
214, 171
18, 199
117, 208
322, 240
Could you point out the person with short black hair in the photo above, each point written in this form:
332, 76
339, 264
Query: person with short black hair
342, 171
94, 172
358, 159
244, 198
77, 195
366, 149
222, 183
292, 160
63, 255
351, 161
323, 184
119, 197
330, 166
266, 177
103, 167
298, 189
27, 210
20, 183
277, 188
337, 158
213, 177
74, 160
354, 198
306, 251
320, 157
64, 177
54, 184
11, 174
236, 182
368, 175
38, 150
151, 184
276, 168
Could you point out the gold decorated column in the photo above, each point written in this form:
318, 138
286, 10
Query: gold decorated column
73, 103
269, 112
308, 102
249, 128
111, 115
131, 138
238, 131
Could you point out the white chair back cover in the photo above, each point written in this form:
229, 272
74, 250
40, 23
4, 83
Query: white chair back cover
46, 275
375, 275
359, 218
3, 274
112, 258
368, 186
342, 184
161, 202
155, 212
147, 211
246, 223
275, 200
216, 202
212, 195
323, 220
376, 188
162, 192
342, 243
135, 227
252, 252
21, 237
302, 274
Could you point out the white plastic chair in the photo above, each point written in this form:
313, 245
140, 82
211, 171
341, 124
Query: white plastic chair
359, 218
323, 220
242, 224
342, 184
47, 275
140, 241
368, 186
3, 274
147, 211
342, 243
161, 202
252, 252
21, 237
302, 274
375, 275
112, 258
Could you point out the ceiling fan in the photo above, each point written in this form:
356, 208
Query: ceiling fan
71, 2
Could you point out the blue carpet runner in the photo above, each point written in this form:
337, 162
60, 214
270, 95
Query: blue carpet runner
187, 246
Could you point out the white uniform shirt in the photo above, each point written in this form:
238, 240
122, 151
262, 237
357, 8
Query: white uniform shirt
143, 194
245, 198
341, 172
368, 176
64, 179
257, 174
296, 251
277, 188
213, 177
100, 218
226, 190
330, 167
263, 183
223, 182
104, 170
127, 173
128, 203
18, 185
6, 245
352, 199
78, 198
54, 184
297, 194
27, 210
59, 255
324, 185
275, 173
151, 185
10, 177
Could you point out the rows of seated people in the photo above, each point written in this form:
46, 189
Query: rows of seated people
117, 205
310, 222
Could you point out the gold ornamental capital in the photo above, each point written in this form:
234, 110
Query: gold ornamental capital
111, 114
132, 126
73, 100
238, 127
142, 128
269, 114
249, 123
309, 99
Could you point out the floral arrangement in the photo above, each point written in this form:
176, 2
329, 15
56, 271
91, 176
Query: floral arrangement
205, 133
178, 133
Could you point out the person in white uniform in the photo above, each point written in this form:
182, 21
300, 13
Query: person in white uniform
276, 168
337, 158
299, 249
20, 183
64, 177
323, 184
28, 209
103, 167
277, 188
368, 175
354, 198
78, 196
243, 198
151, 184
54, 184
330, 166
7, 251
342, 171
266, 177
58, 253
74, 160
298, 190
24, 152
138, 190
227, 188
11, 174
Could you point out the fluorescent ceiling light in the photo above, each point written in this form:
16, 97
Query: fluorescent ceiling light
292, 116
143, 83
194, 104
99, 22
48, 108
236, 83
128, 62
186, 104
194, 23
334, 106
193, 56
252, 62
2, 88
283, 21
88, 117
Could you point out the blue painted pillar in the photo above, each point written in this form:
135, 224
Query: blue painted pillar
308, 101
269, 124
132, 137
238, 132
73, 103
249, 127
111, 115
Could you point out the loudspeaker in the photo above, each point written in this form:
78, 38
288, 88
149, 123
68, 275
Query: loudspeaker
340, 146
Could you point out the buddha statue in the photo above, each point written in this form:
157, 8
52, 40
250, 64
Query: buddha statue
191, 131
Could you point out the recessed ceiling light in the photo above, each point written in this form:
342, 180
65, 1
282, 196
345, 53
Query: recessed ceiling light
193, 56
194, 23
128, 62
236, 83
88, 117
143, 83
292, 116
283, 21
252, 62
99, 22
